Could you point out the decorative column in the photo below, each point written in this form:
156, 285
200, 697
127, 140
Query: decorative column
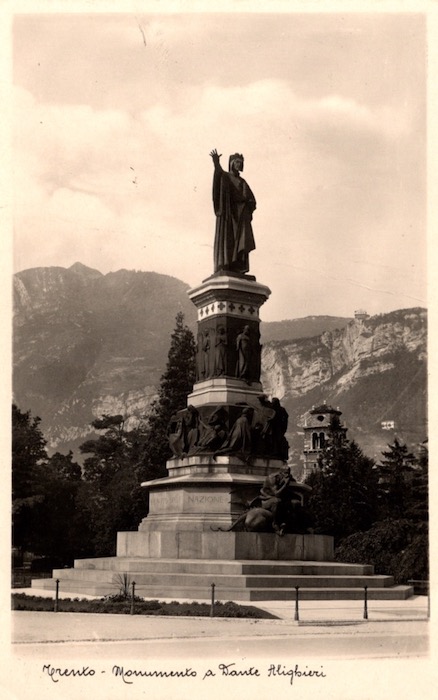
228, 356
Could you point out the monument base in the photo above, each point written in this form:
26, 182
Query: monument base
224, 546
244, 566
205, 492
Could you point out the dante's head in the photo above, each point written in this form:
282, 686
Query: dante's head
235, 162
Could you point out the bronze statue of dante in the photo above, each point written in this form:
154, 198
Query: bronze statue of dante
234, 204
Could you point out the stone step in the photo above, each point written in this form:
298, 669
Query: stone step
391, 593
131, 564
228, 593
74, 587
224, 580
308, 569
243, 579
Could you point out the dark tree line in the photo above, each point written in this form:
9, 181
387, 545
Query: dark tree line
63, 511
45, 493
344, 496
377, 513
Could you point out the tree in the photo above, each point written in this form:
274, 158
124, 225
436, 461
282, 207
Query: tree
418, 505
175, 385
396, 471
29, 457
397, 544
344, 495
111, 497
28, 452
109, 451
64, 468
44, 491
60, 529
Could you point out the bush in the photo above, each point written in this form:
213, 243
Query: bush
414, 560
397, 548
118, 605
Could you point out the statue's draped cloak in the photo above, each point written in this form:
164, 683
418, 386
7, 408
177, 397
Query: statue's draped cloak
239, 438
234, 204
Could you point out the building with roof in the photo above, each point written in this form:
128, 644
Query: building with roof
322, 424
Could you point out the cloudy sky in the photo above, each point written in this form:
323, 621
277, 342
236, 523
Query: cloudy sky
115, 115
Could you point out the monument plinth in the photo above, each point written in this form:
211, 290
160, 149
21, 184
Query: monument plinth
228, 357
203, 493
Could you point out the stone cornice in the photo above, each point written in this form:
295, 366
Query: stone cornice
234, 296
226, 287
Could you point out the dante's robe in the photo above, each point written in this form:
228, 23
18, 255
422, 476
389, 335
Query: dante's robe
234, 204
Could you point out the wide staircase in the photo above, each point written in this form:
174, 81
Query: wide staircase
245, 580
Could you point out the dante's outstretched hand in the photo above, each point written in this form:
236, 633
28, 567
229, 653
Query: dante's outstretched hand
215, 155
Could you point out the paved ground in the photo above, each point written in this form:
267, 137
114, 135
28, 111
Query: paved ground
162, 637
125, 655
403, 625
414, 608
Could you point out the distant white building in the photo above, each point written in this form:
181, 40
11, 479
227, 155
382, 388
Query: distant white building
361, 315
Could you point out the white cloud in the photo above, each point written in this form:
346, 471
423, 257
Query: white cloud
124, 188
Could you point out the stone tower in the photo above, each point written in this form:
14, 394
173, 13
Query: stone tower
322, 423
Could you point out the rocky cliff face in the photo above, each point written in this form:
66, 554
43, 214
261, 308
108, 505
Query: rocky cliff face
86, 344
374, 369
340, 358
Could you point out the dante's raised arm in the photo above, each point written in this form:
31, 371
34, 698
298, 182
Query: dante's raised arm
215, 155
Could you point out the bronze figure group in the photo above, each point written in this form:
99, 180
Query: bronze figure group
242, 430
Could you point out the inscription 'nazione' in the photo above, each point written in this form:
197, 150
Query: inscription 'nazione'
207, 499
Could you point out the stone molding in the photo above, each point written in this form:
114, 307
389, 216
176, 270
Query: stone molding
234, 296
224, 390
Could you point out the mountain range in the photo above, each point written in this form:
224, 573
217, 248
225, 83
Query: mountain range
86, 344
374, 370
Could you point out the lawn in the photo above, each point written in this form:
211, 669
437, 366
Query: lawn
121, 605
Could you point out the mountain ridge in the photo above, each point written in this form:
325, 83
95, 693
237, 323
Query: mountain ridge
303, 327
87, 343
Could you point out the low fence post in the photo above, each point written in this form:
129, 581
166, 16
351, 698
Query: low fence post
133, 598
297, 612
212, 600
365, 603
55, 608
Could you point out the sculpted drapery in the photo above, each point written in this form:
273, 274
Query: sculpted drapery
234, 204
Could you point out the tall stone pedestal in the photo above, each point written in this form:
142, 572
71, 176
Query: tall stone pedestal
204, 492
209, 487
